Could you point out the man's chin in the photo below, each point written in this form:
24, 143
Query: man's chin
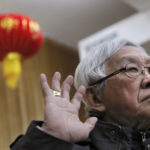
141, 122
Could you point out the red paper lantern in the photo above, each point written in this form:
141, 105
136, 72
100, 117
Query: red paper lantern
20, 37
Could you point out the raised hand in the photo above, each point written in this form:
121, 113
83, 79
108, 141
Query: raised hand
61, 114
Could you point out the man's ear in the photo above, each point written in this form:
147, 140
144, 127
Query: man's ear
94, 99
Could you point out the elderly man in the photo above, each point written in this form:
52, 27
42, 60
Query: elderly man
114, 83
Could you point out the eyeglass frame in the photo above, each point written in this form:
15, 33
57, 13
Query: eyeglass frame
114, 73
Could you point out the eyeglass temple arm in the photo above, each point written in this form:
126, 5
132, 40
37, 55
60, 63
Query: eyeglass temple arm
110, 75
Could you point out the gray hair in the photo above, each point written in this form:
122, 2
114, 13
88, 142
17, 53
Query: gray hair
92, 68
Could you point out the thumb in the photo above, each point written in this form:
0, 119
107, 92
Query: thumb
90, 123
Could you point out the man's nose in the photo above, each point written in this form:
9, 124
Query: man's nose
146, 80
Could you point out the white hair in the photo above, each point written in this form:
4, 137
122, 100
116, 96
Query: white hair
92, 68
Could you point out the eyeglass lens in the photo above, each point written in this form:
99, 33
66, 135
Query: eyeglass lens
133, 70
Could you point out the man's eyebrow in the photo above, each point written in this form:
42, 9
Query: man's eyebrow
128, 59
133, 60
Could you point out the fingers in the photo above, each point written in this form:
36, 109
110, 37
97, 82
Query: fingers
66, 86
44, 85
78, 96
65, 89
56, 81
56, 85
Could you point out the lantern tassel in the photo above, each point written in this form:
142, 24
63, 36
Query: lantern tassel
12, 69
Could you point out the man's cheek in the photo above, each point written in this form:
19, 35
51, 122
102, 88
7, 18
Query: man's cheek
132, 92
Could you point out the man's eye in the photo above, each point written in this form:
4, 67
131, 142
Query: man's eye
132, 69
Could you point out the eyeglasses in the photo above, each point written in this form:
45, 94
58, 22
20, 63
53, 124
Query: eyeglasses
131, 70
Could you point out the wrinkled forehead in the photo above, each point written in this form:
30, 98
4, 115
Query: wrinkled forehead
135, 59
130, 54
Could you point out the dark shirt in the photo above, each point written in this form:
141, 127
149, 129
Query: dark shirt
105, 136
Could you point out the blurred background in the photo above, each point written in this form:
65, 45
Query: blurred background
65, 24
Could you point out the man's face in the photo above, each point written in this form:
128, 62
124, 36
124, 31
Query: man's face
127, 100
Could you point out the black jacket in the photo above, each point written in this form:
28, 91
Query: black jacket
105, 136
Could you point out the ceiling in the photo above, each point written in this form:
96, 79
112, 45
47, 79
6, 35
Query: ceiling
69, 21
140, 5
